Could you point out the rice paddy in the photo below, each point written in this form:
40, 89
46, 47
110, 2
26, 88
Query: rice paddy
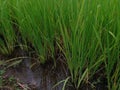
86, 33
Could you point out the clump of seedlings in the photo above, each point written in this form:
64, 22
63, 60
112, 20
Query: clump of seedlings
82, 34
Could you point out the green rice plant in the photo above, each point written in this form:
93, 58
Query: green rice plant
84, 39
37, 25
7, 40
87, 32
111, 63
111, 47
75, 39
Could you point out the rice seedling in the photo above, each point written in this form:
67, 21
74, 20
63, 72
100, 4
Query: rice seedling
37, 18
111, 45
86, 31
84, 44
7, 35
75, 47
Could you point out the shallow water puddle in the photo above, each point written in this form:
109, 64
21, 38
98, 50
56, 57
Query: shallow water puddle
41, 77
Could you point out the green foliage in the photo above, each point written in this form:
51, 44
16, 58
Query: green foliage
7, 34
86, 31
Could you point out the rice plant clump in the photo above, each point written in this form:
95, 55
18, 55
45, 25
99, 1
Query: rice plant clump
87, 32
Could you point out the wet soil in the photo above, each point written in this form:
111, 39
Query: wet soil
45, 76
39, 76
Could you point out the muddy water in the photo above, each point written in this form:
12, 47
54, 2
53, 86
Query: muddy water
44, 77
47, 78
41, 77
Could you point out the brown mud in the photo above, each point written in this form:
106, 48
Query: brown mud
45, 76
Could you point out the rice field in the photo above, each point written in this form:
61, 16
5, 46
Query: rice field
85, 32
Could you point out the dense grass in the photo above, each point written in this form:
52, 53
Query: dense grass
7, 34
86, 31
